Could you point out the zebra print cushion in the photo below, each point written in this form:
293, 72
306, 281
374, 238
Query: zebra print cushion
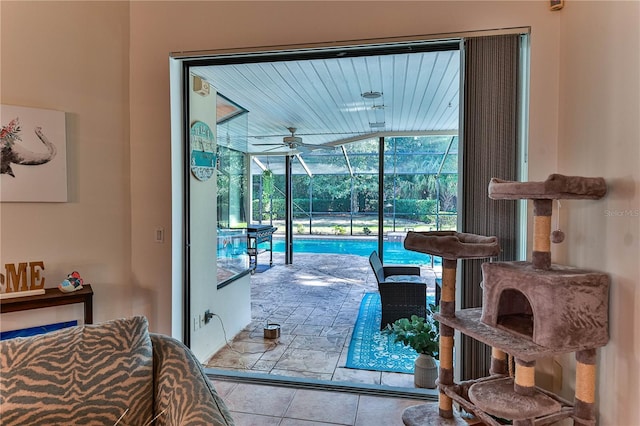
184, 394
85, 375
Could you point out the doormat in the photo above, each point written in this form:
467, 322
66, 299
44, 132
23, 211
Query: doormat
371, 349
261, 268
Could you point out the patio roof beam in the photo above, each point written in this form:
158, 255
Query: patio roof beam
444, 157
259, 163
304, 165
346, 158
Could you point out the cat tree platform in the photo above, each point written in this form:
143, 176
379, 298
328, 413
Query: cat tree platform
497, 398
530, 310
467, 321
488, 400
556, 187
451, 245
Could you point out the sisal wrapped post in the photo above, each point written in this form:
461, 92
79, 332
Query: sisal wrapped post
525, 380
541, 256
498, 362
448, 295
585, 387
445, 373
448, 309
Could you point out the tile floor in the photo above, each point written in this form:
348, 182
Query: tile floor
316, 302
263, 405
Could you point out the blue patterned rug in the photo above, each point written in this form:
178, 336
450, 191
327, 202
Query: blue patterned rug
370, 349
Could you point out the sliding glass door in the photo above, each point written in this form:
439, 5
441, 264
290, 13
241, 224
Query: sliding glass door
420, 192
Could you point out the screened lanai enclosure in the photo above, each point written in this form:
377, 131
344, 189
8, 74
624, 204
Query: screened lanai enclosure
355, 142
336, 190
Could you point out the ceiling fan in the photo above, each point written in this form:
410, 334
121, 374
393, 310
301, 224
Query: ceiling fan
291, 142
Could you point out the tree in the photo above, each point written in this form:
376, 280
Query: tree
448, 192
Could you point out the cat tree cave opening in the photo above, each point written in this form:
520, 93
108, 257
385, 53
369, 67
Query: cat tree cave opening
515, 313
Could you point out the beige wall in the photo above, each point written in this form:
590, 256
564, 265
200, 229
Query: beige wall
73, 57
599, 104
106, 64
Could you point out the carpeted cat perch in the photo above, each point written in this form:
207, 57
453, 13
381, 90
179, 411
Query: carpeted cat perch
531, 310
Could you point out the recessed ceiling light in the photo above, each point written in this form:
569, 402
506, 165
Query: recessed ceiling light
371, 95
377, 124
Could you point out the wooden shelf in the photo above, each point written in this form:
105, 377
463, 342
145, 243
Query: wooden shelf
52, 297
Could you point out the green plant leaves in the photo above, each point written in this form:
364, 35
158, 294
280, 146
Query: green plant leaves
419, 333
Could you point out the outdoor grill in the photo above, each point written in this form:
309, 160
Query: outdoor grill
257, 234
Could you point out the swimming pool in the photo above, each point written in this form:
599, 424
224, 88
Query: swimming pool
394, 251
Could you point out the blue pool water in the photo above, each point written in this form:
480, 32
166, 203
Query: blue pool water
394, 251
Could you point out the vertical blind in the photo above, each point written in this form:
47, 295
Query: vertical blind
490, 147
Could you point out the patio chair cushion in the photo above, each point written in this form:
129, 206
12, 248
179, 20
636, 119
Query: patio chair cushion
404, 279
389, 273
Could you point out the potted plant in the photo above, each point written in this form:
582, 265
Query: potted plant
422, 335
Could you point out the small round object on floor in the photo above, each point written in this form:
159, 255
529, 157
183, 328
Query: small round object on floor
272, 331
557, 236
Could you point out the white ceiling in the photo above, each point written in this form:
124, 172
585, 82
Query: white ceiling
322, 97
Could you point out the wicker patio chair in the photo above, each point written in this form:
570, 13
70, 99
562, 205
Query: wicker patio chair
403, 292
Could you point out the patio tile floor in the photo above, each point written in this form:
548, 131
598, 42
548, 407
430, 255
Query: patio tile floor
316, 302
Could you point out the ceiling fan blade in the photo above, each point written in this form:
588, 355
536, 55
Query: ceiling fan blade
281, 135
312, 147
277, 147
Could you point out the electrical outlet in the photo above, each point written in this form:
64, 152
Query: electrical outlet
207, 316
159, 235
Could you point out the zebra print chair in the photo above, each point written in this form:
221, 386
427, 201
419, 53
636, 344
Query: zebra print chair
106, 374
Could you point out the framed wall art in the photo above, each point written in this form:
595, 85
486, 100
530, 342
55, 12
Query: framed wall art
203, 154
33, 157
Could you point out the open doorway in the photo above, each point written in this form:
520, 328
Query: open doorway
280, 70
